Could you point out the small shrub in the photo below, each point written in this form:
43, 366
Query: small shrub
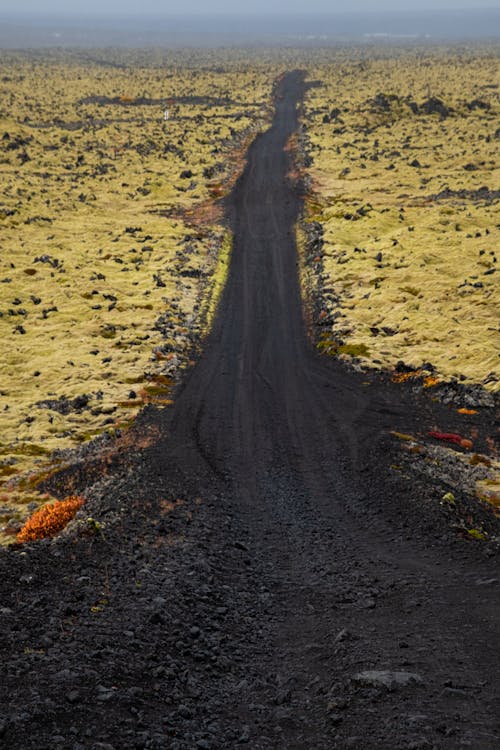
50, 520
476, 534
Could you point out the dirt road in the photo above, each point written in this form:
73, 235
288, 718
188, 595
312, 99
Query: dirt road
260, 577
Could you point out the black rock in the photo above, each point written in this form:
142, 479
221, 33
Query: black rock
435, 106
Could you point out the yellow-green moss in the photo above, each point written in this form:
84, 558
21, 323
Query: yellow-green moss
410, 258
354, 350
93, 243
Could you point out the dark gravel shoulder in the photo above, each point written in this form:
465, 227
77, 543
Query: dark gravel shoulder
257, 573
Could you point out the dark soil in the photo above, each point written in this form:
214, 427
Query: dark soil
141, 101
256, 573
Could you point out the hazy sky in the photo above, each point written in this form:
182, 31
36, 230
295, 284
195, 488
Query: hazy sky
205, 7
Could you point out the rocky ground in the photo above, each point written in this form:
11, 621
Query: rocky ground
250, 568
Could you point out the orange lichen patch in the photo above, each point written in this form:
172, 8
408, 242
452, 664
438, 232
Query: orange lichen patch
403, 377
465, 443
204, 214
430, 381
50, 520
402, 436
291, 144
162, 380
466, 411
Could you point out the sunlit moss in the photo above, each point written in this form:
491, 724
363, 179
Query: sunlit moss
406, 189
354, 350
218, 280
105, 256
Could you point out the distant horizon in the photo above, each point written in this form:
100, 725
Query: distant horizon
256, 12
23, 29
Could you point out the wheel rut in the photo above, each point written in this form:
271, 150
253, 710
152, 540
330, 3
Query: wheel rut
290, 433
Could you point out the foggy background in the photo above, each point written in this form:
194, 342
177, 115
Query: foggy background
212, 23
207, 7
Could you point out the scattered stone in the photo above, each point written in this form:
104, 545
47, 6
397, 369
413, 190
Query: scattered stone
241, 545
63, 405
368, 603
335, 719
435, 106
487, 581
343, 635
387, 679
